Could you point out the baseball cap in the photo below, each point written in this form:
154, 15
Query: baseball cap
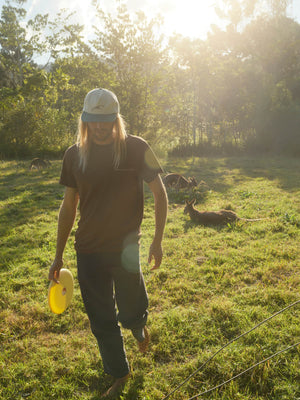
100, 105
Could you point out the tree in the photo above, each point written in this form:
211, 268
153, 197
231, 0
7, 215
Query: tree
130, 47
34, 115
192, 105
239, 12
15, 50
240, 87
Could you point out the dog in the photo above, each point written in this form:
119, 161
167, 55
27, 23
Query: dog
178, 181
39, 163
222, 217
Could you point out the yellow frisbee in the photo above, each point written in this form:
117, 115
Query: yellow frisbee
60, 294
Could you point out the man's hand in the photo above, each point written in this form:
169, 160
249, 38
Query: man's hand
156, 253
161, 208
54, 270
66, 217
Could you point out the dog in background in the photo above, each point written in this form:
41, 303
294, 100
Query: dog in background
221, 217
178, 181
39, 163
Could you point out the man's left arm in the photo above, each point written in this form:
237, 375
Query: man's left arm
161, 210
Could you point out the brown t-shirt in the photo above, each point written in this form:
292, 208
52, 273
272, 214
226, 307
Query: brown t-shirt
111, 200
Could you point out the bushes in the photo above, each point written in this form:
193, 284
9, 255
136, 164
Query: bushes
30, 130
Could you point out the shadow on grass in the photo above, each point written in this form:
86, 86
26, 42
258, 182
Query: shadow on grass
215, 170
27, 198
285, 170
16, 178
188, 225
136, 386
133, 389
180, 196
207, 170
26, 194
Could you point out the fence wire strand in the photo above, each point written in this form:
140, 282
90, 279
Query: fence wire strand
246, 370
226, 345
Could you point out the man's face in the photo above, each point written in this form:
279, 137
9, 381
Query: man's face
101, 132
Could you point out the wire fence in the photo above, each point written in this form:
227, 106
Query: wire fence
246, 370
226, 345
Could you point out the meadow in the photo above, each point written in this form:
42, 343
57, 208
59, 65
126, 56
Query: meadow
215, 283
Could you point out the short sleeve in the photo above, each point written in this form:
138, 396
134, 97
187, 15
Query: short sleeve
151, 167
67, 177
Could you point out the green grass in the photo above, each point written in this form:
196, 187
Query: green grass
215, 283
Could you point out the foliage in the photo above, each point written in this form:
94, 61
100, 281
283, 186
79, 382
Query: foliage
131, 48
238, 90
33, 117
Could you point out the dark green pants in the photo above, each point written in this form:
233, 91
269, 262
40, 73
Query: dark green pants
106, 279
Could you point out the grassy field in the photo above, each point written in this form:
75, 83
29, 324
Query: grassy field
215, 283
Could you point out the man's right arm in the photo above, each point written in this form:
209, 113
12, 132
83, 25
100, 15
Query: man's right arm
66, 218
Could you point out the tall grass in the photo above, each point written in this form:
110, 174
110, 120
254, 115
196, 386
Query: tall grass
215, 283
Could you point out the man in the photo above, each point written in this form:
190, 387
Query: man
105, 170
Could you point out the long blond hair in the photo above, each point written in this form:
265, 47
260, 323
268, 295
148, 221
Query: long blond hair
84, 142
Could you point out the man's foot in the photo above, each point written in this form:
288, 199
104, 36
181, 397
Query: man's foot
116, 388
143, 346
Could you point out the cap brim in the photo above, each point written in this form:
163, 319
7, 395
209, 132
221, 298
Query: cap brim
87, 117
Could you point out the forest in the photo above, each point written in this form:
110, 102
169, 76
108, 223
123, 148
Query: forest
236, 92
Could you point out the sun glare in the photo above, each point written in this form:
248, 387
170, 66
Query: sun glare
191, 18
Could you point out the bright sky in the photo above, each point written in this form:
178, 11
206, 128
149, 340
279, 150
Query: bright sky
188, 17
191, 18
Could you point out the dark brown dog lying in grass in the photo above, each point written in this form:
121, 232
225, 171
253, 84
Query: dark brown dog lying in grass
39, 163
221, 217
178, 181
